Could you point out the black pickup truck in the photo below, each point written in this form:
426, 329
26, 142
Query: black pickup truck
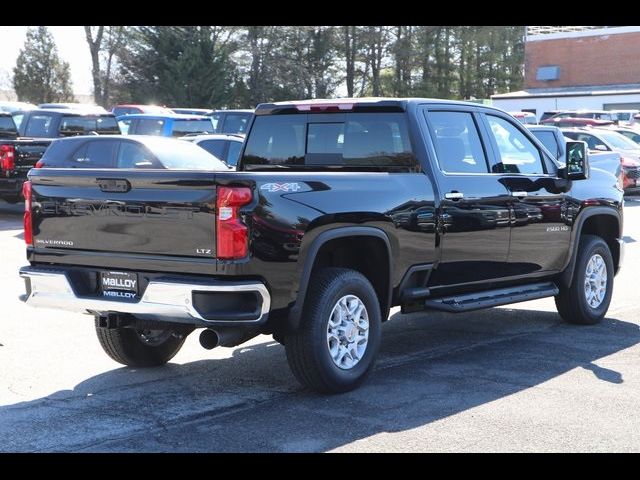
341, 210
17, 157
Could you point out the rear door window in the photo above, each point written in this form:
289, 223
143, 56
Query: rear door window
458, 142
95, 154
350, 140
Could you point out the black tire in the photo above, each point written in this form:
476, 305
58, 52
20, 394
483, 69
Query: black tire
572, 302
125, 346
307, 350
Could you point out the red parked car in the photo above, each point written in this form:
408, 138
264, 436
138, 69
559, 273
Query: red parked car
567, 122
127, 109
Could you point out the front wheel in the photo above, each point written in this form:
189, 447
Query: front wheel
140, 348
334, 349
587, 299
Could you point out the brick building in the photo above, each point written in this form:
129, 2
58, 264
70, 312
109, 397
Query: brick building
578, 67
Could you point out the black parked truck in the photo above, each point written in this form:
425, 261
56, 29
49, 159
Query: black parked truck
341, 210
17, 157
22, 147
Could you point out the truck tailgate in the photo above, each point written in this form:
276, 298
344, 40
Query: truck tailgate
125, 211
28, 152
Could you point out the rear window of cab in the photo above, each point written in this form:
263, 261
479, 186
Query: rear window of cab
333, 140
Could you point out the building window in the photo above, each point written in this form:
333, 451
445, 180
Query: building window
548, 72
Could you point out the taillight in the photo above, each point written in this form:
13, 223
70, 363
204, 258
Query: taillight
232, 234
28, 228
39, 164
324, 107
7, 158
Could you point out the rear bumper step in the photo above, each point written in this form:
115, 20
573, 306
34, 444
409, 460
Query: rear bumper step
192, 303
492, 298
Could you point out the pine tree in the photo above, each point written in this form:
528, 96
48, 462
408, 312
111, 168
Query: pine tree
40, 76
179, 66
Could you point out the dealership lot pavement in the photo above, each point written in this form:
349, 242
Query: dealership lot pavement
507, 379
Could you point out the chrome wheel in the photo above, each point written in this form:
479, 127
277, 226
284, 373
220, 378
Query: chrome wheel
153, 338
595, 281
348, 332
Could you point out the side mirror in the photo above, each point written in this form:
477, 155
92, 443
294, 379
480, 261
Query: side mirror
577, 167
601, 148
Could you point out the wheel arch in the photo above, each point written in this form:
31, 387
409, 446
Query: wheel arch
343, 239
604, 222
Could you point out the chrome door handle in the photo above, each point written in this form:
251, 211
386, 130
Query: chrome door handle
454, 195
518, 193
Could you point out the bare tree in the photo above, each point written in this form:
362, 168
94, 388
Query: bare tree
104, 44
350, 51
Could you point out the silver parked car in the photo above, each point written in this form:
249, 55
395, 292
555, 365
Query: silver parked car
226, 147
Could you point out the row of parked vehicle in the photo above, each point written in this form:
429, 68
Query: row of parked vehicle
612, 138
580, 118
125, 137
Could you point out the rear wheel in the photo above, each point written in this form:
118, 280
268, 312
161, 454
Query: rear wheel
334, 349
587, 299
140, 348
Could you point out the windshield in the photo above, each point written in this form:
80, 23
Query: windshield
80, 125
181, 155
619, 141
183, 127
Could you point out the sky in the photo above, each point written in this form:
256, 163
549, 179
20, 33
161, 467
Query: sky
72, 47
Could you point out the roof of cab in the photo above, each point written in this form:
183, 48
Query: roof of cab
72, 111
346, 104
164, 116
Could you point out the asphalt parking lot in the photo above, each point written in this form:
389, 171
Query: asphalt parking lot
506, 379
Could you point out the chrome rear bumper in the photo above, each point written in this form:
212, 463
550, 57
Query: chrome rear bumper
162, 300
